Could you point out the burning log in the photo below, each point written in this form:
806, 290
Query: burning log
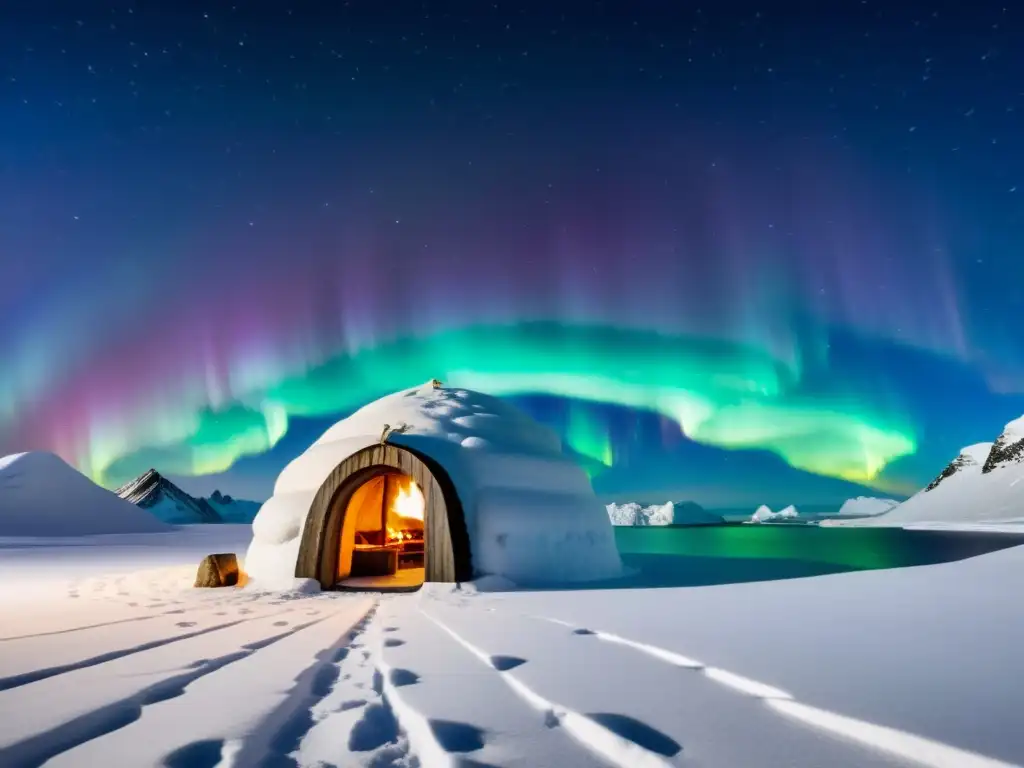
404, 511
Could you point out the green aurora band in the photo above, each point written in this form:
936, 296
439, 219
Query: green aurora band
721, 394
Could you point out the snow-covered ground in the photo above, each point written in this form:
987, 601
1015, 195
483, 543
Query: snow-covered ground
34, 568
109, 657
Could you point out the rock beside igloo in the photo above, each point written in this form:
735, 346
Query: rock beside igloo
218, 571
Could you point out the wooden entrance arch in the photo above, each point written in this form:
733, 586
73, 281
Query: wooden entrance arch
447, 555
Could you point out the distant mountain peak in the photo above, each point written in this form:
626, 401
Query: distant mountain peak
220, 498
971, 456
154, 492
1008, 447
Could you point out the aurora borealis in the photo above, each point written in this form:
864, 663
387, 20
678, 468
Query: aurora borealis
708, 256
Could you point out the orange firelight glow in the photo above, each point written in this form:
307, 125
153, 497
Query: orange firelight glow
406, 512
409, 502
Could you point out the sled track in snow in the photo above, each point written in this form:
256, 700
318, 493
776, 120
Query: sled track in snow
900, 744
41, 747
168, 670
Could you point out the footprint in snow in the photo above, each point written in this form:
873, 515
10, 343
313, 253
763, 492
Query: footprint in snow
206, 752
280, 623
374, 729
457, 737
639, 733
505, 663
400, 677
185, 624
393, 642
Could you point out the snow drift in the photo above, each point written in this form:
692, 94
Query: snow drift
669, 513
531, 513
984, 483
41, 495
764, 514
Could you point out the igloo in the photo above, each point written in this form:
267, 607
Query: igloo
432, 484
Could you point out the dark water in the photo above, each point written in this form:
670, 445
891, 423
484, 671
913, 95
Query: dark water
702, 555
849, 548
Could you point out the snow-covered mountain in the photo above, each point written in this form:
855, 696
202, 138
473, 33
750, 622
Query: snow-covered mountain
1008, 449
669, 513
159, 496
764, 514
969, 461
985, 482
41, 495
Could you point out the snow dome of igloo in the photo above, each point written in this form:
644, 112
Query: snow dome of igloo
442, 483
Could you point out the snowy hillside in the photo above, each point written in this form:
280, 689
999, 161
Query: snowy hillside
41, 495
969, 461
669, 513
984, 483
764, 514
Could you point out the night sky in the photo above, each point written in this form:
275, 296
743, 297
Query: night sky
733, 253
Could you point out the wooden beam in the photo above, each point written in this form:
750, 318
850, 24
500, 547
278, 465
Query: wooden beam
385, 496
